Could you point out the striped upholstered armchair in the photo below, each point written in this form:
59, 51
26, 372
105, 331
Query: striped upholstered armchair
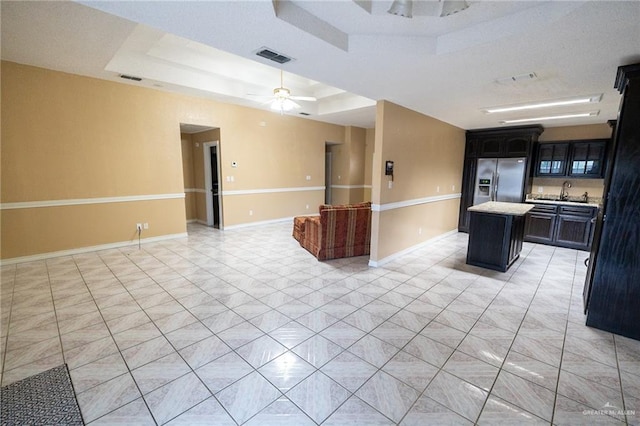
339, 231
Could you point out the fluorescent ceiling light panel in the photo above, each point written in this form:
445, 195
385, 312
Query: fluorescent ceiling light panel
546, 104
551, 117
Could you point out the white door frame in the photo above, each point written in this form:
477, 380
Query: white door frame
207, 181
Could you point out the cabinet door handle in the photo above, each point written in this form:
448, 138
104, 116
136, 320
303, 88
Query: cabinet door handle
594, 219
586, 262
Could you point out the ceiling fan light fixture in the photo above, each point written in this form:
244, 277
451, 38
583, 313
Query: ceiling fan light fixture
449, 7
402, 8
283, 105
281, 92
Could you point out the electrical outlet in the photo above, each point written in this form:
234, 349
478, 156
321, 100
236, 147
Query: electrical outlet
390, 184
138, 227
145, 225
250, 212
308, 177
540, 190
453, 187
307, 207
419, 231
437, 188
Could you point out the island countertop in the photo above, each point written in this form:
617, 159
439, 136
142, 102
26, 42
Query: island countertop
498, 207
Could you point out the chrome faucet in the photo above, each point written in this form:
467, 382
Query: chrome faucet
564, 195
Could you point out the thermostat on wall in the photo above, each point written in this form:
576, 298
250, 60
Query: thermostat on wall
234, 164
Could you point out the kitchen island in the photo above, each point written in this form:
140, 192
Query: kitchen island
496, 232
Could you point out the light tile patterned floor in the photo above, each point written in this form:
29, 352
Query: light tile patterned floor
246, 327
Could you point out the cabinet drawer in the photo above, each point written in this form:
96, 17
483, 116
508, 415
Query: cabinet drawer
544, 208
577, 210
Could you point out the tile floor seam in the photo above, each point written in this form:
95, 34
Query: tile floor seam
6, 338
624, 405
129, 372
159, 252
500, 369
441, 368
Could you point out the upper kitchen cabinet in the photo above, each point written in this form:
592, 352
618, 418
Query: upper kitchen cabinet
503, 145
552, 159
587, 159
507, 142
578, 159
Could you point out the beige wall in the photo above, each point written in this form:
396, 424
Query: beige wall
594, 187
368, 162
187, 174
348, 167
428, 157
71, 137
591, 131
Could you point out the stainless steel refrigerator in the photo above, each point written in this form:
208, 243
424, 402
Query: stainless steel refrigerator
499, 179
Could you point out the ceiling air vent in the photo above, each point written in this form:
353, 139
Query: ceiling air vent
274, 56
130, 77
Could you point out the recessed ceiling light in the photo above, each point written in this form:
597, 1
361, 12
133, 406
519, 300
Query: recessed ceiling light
551, 117
545, 104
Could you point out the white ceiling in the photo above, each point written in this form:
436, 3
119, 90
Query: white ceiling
347, 54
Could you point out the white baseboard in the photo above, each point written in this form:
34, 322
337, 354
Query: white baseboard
49, 255
377, 263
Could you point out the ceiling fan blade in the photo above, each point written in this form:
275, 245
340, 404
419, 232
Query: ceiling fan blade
255, 95
303, 98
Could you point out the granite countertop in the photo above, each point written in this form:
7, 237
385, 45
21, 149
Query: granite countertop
593, 201
497, 207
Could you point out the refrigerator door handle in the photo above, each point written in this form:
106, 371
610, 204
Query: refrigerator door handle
495, 192
492, 188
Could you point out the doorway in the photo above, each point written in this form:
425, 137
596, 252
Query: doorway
213, 187
327, 177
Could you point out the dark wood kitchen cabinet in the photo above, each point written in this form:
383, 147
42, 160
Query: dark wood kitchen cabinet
551, 159
587, 159
561, 225
574, 226
541, 224
575, 159
612, 288
503, 142
507, 146
466, 199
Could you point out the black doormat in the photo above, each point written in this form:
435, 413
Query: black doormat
43, 399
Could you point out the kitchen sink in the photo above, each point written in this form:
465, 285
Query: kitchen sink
558, 199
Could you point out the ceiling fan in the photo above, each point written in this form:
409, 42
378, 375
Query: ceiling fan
282, 100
